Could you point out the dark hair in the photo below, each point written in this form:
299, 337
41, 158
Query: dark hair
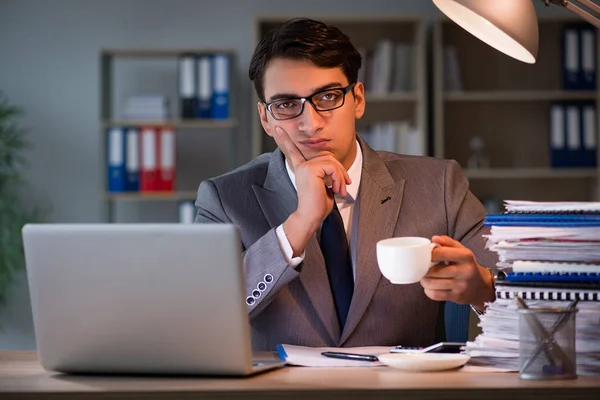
305, 39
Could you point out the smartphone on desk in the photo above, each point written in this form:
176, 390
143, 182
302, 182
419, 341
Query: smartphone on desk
441, 347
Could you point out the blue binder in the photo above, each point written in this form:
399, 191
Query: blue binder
558, 136
220, 95
589, 135
571, 65
542, 220
204, 89
587, 43
116, 159
132, 160
551, 277
573, 125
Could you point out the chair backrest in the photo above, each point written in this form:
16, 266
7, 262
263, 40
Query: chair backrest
456, 322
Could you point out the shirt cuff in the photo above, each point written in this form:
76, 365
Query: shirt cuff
479, 313
493, 280
286, 248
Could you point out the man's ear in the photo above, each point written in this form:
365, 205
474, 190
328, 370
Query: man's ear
359, 100
262, 113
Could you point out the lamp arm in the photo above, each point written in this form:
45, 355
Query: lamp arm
587, 16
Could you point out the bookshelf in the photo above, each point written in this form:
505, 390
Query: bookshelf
177, 123
507, 104
518, 95
405, 103
156, 71
180, 195
530, 173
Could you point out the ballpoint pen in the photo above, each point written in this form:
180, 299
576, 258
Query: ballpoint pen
350, 356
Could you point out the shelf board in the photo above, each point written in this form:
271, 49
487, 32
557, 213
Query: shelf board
160, 52
530, 173
152, 196
336, 18
177, 123
392, 97
520, 95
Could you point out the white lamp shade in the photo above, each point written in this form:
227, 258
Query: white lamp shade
509, 26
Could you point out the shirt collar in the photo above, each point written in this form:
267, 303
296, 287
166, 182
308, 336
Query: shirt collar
354, 172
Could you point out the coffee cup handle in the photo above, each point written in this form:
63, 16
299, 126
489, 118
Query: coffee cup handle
433, 246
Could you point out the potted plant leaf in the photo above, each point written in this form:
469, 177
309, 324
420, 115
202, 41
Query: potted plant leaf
13, 211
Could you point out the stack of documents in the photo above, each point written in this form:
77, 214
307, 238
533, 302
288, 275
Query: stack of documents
151, 107
498, 345
549, 255
547, 233
520, 206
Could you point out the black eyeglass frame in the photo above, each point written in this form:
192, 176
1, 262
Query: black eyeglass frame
303, 101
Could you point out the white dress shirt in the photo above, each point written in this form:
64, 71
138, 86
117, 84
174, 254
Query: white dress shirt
347, 205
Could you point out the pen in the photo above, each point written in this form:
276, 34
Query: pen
350, 356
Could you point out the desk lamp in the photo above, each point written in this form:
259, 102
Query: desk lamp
510, 26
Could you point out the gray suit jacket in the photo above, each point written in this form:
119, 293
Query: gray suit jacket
427, 197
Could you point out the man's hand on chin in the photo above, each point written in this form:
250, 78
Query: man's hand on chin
317, 180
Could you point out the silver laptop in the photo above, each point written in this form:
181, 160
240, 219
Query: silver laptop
139, 298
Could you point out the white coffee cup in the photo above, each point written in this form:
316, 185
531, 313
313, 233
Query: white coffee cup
405, 260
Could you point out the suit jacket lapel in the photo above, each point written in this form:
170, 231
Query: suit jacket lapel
380, 198
277, 199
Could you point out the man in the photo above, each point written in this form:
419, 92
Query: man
307, 283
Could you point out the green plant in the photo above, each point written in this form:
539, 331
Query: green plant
13, 213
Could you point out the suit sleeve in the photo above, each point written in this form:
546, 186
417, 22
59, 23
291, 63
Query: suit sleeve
465, 215
265, 265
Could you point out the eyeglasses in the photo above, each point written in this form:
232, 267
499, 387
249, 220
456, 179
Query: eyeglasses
325, 100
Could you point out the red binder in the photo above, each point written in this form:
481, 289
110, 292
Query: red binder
148, 159
166, 159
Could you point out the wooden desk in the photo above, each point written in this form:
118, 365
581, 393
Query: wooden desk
21, 377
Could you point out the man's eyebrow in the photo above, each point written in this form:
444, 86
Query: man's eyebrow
279, 96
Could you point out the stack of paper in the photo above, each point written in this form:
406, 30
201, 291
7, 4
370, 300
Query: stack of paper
151, 107
520, 206
498, 346
563, 232
549, 255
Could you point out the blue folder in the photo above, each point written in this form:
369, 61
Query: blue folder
542, 220
571, 58
552, 277
115, 156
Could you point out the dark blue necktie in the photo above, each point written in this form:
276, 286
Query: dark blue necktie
334, 245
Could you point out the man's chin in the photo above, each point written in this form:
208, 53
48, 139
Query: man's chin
309, 154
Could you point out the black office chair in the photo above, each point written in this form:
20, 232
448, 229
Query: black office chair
456, 322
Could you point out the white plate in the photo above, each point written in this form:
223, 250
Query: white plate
424, 361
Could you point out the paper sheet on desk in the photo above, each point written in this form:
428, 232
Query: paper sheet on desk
483, 368
311, 356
